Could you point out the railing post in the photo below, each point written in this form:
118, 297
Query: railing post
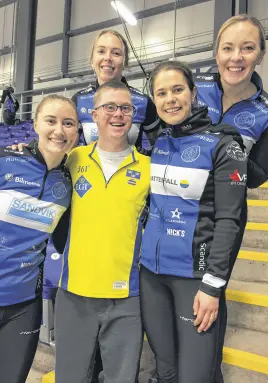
21, 99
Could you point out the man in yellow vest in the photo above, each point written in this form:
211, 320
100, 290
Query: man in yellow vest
98, 299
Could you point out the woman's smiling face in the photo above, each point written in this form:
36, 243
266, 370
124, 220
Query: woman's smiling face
238, 53
172, 96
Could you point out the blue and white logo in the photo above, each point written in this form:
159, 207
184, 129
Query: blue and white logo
32, 212
161, 152
176, 213
82, 186
133, 174
59, 190
244, 120
94, 134
9, 177
83, 110
191, 154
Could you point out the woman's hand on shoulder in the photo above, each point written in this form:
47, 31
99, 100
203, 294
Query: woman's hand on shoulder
18, 147
206, 310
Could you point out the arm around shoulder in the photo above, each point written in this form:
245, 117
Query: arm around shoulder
230, 176
258, 162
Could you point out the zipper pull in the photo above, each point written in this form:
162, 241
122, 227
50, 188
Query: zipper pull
168, 131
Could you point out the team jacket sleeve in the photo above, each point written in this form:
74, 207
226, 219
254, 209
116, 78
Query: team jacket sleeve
60, 234
151, 125
258, 162
229, 195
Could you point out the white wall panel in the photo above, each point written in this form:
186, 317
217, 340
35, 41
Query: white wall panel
259, 9
157, 33
50, 16
87, 12
48, 60
6, 69
6, 23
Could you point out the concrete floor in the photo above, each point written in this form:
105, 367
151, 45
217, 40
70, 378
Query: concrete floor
44, 362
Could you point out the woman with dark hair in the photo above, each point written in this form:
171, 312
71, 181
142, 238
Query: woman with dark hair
235, 96
190, 231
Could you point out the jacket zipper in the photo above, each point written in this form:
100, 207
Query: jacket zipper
43, 184
118, 170
168, 133
106, 183
227, 110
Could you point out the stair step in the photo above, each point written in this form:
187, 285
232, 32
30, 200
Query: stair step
251, 271
233, 374
253, 254
257, 210
257, 202
245, 349
250, 341
257, 226
251, 265
256, 235
259, 193
248, 305
245, 360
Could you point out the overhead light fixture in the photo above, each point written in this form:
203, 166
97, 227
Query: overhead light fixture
124, 12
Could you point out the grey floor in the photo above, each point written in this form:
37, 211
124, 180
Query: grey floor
44, 362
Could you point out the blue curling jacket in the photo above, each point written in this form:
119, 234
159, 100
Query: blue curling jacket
192, 226
249, 117
32, 200
145, 119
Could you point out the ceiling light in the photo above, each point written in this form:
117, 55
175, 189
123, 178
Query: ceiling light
124, 12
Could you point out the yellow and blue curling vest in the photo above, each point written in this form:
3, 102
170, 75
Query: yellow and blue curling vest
102, 252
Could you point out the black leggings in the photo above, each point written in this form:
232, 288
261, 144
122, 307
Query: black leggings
19, 333
182, 354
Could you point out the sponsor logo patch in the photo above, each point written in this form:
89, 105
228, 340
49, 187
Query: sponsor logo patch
120, 285
191, 154
202, 262
235, 152
176, 217
165, 180
244, 120
133, 174
59, 190
31, 212
55, 256
238, 179
9, 177
16, 159
82, 186
184, 184
161, 152
27, 264
176, 232
204, 138
82, 169
176, 213
3, 246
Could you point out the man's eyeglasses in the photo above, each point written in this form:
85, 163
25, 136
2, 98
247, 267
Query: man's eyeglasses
127, 110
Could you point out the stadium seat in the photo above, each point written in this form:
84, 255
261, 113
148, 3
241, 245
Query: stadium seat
15, 134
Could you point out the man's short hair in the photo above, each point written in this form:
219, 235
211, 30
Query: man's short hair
109, 85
